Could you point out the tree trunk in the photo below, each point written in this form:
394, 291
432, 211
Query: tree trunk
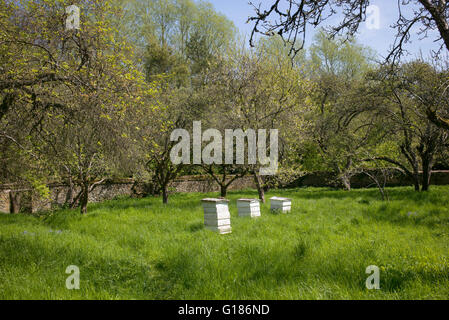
223, 190
165, 194
427, 173
416, 178
411, 157
260, 189
416, 182
69, 195
346, 182
14, 200
84, 198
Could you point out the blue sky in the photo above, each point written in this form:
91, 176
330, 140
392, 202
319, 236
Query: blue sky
380, 40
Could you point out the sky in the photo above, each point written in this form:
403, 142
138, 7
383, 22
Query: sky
378, 39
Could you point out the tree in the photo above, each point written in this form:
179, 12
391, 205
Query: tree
398, 97
339, 130
183, 40
176, 24
433, 95
162, 59
166, 69
291, 19
221, 174
28, 73
79, 83
254, 91
154, 139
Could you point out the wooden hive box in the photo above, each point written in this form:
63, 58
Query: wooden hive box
217, 217
281, 204
248, 208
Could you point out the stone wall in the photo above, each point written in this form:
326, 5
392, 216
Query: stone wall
207, 184
30, 202
4, 201
395, 179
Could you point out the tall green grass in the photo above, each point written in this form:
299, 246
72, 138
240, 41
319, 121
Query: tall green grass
141, 249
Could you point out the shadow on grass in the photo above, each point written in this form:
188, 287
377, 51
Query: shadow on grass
368, 195
395, 213
123, 204
406, 207
195, 227
190, 273
351, 274
99, 272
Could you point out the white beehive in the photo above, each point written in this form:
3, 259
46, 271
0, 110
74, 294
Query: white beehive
248, 208
281, 204
217, 217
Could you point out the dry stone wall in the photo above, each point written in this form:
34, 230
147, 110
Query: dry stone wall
30, 202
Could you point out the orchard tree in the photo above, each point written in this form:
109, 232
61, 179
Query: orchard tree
155, 143
79, 85
399, 97
433, 92
169, 74
257, 91
29, 72
338, 131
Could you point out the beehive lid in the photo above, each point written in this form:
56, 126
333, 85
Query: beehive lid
211, 200
248, 200
280, 199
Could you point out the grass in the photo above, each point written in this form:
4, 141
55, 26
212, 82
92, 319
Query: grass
140, 249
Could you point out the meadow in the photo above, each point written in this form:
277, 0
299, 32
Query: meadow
141, 249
